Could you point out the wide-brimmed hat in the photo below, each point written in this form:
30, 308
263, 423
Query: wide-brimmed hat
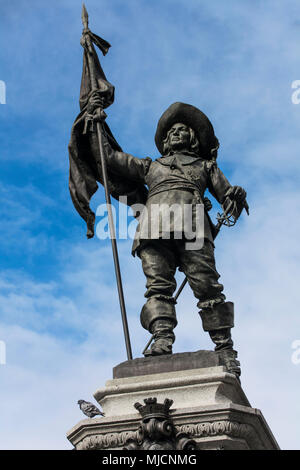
192, 117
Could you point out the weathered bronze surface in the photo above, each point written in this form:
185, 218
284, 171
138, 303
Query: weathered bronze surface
186, 169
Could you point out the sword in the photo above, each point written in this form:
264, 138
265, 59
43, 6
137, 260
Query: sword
223, 219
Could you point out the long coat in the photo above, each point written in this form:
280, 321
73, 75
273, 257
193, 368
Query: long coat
180, 178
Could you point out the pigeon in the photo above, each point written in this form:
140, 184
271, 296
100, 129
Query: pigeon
89, 409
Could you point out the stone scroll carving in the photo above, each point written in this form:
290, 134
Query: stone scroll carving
197, 431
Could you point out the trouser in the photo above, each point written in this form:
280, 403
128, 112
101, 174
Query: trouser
160, 258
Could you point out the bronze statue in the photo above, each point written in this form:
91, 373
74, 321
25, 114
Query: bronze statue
187, 167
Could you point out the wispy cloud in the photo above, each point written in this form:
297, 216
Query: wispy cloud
59, 305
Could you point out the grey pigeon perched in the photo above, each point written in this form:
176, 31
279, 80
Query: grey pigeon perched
89, 409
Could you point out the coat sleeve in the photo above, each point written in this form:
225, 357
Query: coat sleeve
124, 164
218, 184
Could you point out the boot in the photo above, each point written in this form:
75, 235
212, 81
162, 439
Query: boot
229, 359
218, 321
221, 338
224, 346
163, 337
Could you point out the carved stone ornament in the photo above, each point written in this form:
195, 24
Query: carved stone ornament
205, 429
157, 431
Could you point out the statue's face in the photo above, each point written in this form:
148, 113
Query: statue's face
179, 137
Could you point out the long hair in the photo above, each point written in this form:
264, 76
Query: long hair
194, 142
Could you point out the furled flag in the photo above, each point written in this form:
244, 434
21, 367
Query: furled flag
85, 165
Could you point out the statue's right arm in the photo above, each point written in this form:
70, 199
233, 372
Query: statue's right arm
120, 163
126, 165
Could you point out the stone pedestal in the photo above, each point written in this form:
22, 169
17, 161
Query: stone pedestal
209, 404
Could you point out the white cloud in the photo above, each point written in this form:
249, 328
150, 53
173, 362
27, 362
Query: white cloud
259, 267
237, 61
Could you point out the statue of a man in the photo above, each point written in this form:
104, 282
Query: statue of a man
187, 167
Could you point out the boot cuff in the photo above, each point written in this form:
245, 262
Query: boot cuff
157, 308
219, 317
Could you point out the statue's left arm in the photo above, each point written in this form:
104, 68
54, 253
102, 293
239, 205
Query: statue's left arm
223, 191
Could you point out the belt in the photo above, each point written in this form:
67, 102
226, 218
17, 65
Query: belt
167, 186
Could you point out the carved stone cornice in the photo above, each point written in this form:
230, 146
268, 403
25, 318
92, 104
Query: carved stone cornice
232, 429
228, 428
106, 441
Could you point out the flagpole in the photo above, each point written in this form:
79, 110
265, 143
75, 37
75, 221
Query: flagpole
94, 86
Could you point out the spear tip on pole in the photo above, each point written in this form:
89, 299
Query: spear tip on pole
84, 16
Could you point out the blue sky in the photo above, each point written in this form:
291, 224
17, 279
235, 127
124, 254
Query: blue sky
59, 309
